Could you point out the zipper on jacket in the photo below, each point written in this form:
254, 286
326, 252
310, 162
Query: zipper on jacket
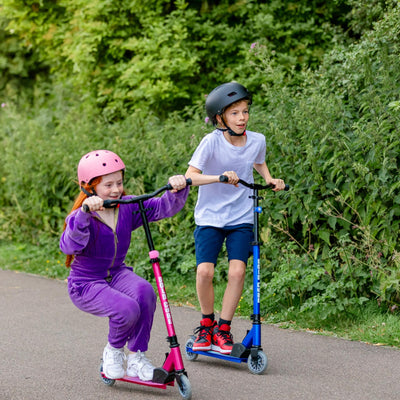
109, 277
115, 253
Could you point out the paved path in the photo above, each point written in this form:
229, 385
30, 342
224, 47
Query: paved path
50, 351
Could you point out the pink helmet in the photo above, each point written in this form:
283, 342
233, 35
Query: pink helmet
98, 163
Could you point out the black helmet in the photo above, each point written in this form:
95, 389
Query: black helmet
223, 96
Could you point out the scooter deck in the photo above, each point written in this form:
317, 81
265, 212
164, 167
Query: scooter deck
215, 354
137, 381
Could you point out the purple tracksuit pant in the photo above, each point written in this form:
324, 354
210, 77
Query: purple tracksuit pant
129, 302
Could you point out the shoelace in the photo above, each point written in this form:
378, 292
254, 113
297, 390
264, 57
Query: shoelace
141, 360
117, 356
203, 331
147, 363
227, 336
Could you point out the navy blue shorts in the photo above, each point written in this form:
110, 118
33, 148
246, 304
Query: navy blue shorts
208, 242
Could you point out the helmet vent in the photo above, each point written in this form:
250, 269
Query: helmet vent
232, 94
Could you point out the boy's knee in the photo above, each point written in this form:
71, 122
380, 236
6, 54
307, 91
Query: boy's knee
237, 272
237, 276
205, 271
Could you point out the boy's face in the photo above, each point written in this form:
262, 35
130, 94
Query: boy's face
236, 116
111, 186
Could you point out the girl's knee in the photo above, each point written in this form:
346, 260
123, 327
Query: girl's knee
148, 293
147, 298
128, 312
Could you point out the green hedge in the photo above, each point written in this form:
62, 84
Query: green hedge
132, 54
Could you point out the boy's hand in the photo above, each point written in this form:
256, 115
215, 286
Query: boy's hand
233, 179
278, 183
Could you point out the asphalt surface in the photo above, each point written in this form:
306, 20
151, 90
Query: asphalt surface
50, 350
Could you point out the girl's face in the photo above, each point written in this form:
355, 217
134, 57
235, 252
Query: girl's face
111, 186
236, 116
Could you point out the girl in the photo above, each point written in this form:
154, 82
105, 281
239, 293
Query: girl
96, 243
224, 212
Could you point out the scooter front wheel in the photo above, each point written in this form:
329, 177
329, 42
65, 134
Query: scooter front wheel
189, 345
258, 364
185, 389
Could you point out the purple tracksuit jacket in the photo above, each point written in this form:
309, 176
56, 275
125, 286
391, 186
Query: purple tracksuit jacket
100, 283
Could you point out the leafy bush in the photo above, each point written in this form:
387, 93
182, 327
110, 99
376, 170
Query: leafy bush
146, 55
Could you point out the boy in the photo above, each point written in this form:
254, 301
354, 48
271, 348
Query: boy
224, 211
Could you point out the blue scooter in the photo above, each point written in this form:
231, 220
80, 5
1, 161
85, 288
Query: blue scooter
249, 350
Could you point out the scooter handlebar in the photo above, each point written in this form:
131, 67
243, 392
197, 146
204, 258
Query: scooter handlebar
136, 199
224, 178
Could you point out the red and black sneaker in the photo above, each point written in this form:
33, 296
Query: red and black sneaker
203, 340
222, 339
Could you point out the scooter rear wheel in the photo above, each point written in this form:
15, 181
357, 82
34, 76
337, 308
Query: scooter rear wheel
189, 344
185, 389
257, 365
106, 381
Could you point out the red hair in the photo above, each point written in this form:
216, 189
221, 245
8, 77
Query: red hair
78, 204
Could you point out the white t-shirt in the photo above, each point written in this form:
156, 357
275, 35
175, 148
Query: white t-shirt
220, 204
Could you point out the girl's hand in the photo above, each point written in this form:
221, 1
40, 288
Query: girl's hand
278, 183
178, 182
233, 179
95, 203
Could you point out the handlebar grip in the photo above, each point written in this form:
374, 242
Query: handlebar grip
224, 178
110, 203
287, 187
86, 208
168, 186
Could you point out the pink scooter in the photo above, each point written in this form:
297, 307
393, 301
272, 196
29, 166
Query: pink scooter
172, 368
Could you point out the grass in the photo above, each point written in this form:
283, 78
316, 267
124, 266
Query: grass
370, 324
38, 260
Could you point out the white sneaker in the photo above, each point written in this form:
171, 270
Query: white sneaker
113, 362
140, 366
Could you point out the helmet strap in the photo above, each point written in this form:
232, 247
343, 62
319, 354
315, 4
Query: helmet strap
88, 194
230, 131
